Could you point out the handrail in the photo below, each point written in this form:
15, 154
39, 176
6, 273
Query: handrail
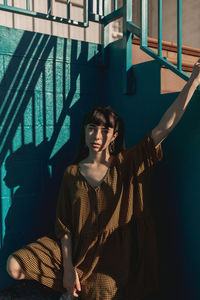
112, 16
187, 66
142, 33
99, 11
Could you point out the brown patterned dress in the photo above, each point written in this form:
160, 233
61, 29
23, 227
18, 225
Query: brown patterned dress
113, 233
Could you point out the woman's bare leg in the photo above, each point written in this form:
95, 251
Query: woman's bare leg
15, 270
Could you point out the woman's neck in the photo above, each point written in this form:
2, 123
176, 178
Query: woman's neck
98, 158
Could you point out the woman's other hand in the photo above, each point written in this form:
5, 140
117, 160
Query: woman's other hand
71, 282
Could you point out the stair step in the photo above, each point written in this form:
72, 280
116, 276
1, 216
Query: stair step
170, 82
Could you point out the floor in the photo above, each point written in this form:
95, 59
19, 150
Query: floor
32, 290
29, 290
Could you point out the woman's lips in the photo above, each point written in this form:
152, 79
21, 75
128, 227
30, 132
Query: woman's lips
95, 144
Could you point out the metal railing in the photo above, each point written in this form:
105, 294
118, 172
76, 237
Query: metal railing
142, 33
129, 29
28, 11
93, 10
100, 11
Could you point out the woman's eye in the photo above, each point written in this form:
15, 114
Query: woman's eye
91, 128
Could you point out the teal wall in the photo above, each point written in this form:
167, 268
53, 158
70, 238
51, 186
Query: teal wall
47, 84
175, 180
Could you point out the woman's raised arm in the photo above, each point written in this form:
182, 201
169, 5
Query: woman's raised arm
174, 113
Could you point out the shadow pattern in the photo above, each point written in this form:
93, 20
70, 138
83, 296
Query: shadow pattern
47, 85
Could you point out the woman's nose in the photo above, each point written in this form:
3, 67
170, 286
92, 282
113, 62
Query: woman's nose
98, 134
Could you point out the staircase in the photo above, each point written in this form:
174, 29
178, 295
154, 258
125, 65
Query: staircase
170, 82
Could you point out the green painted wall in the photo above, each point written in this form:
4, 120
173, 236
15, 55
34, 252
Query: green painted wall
175, 181
46, 85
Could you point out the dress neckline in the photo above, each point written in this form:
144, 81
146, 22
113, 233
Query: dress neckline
103, 179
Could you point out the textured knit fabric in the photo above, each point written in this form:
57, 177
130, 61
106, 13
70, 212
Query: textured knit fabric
113, 233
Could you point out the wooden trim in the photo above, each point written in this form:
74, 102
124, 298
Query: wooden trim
172, 47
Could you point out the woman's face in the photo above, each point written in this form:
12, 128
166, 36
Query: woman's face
98, 138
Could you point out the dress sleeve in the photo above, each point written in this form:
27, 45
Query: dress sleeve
143, 155
63, 224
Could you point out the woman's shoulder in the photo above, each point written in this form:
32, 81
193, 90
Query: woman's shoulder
71, 170
124, 154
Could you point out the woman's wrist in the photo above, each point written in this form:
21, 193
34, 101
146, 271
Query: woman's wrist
66, 252
194, 82
194, 79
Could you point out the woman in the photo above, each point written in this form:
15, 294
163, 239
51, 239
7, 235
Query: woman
105, 244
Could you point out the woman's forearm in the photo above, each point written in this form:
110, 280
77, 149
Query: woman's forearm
70, 277
175, 112
66, 246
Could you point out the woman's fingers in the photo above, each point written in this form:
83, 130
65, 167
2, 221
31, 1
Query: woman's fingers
77, 282
77, 289
76, 292
77, 286
71, 282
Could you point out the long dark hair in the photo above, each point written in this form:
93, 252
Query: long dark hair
104, 116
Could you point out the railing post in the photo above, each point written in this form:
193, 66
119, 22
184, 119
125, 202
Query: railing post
144, 22
105, 29
48, 7
115, 4
179, 35
68, 9
85, 11
160, 28
101, 61
127, 44
28, 4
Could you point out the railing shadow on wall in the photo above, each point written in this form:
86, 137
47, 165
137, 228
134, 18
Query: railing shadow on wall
44, 94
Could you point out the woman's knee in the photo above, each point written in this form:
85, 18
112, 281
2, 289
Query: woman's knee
14, 269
